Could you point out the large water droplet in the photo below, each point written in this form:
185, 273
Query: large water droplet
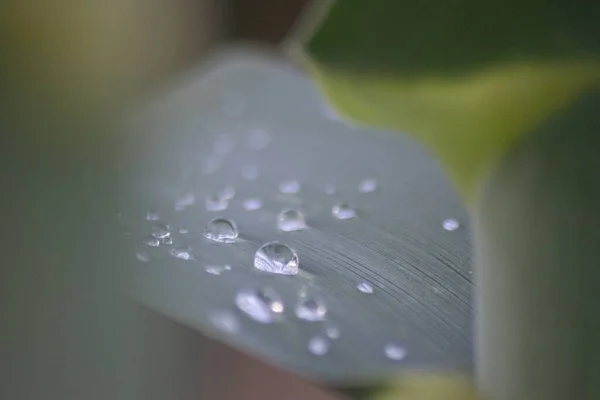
250, 172
228, 193
185, 201
367, 186
289, 187
332, 332
182, 252
343, 211
311, 310
217, 269
365, 287
258, 139
143, 257
394, 351
151, 241
276, 258
160, 230
318, 346
262, 305
253, 204
450, 224
225, 321
221, 230
216, 203
290, 220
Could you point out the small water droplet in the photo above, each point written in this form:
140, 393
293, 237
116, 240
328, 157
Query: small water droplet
367, 186
311, 310
151, 241
183, 230
276, 258
289, 187
160, 230
223, 145
329, 189
167, 240
217, 269
319, 346
143, 257
343, 211
262, 305
151, 216
215, 203
210, 165
332, 332
185, 201
290, 220
365, 287
394, 351
221, 230
182, 252
253, 204
250, 172
225, 321
228, 193
450, 224
258, 139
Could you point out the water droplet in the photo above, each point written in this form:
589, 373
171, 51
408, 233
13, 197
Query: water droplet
276, 258
262, 305
151, 241
332, 332
318, 346
228, 193
151, 216
450, 224
160, 230
394, 351
289, 187
223, 145
250, 172
365, 287
184, 230
225, 321
343, 211
221, 230
182, 252
311, 310
290, 220
216, 203
253, 204
329, 189
143, 257
367, 186
258, 139
210, 165
217, 269
167, 240
185, 201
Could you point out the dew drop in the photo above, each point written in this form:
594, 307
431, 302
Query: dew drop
262, 305
290, 220
210, 165
216, 203
221, 230
151, 216
367, 186
185, 201
217, 269
394, 351
181, 252
343, 211
225, 321
276, 258
228, 193
253, 204
311, 310
143, 257
319, 346
450, 224
329, 189
289, 187
365, 287
332, 332
167, 240
160, 230
151, 241
258, 139
250, 172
